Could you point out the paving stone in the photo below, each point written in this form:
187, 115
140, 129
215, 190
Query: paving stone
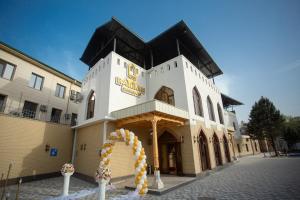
252, 177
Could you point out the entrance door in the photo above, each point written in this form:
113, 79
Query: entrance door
169, 154
217, 150
203, 148
226, 149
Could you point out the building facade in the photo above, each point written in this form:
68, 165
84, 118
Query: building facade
163, 91
37, 109
32, 89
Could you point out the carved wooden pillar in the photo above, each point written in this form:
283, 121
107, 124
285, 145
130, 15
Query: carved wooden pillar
155, 144
158, 184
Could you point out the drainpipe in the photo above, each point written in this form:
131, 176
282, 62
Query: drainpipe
74, 146
104, 132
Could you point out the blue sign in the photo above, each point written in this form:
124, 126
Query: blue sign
53, 152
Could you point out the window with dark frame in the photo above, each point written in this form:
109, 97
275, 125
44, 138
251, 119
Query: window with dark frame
91, 106
36, 81
2, 102
166, 95
197, 102
247, 147
7, 70
29, 109
220, 113
60, 90
55, 115
74, 119
210, 109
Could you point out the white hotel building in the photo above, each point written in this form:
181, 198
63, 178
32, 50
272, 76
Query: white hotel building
163, 91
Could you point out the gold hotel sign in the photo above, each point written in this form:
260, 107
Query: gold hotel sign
129, 84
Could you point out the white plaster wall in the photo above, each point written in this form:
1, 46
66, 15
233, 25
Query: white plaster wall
97, 79
182, 79
194, 77
229, 119
118, 99
160, 75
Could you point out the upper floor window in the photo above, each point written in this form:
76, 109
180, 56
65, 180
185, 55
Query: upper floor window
91, 105
197, 102
210, 108
60, 91
166, 95
36, 81
6, 70
220, 113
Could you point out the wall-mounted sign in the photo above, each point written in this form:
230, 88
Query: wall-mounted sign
53, 152
130, 85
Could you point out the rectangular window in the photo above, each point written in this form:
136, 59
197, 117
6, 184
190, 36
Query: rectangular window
60, 91
175, 63
36, 81
29, 109
169, 67
2, 102
247, 148
239, 149
73, 119
55, 115
6, 70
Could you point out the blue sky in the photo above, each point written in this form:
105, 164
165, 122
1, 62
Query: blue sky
256, 43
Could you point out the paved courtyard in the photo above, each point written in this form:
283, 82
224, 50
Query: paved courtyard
251, 177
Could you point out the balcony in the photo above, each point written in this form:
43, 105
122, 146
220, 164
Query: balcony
37, 114
150, 107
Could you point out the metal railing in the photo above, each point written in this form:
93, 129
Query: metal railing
36, 115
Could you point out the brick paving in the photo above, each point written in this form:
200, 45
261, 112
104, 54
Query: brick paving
252, 177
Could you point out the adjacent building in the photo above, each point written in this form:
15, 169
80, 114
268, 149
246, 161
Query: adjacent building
32, 89
37, 108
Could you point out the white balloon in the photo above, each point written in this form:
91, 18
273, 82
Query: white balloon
139, 186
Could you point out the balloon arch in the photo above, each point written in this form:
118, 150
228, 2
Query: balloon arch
140, 165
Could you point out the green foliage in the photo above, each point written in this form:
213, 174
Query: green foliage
291, 131
264, 120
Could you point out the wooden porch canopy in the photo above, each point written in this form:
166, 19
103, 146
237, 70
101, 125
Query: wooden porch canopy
153, 113
144, 119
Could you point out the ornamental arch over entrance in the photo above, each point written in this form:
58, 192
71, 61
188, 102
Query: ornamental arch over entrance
204, 151
169, 154
226, 149
217, 149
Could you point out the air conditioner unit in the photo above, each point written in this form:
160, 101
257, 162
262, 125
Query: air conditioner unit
73, 95
67, 116
79, 97
43, 108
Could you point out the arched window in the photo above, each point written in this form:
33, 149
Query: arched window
220, 113
197, 102
210, 108
91, 105
166, 95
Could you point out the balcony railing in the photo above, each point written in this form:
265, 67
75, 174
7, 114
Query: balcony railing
36, 115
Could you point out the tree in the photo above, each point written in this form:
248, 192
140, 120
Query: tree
265, 121
291, 131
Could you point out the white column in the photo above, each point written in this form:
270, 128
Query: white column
102, 187
66, 183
